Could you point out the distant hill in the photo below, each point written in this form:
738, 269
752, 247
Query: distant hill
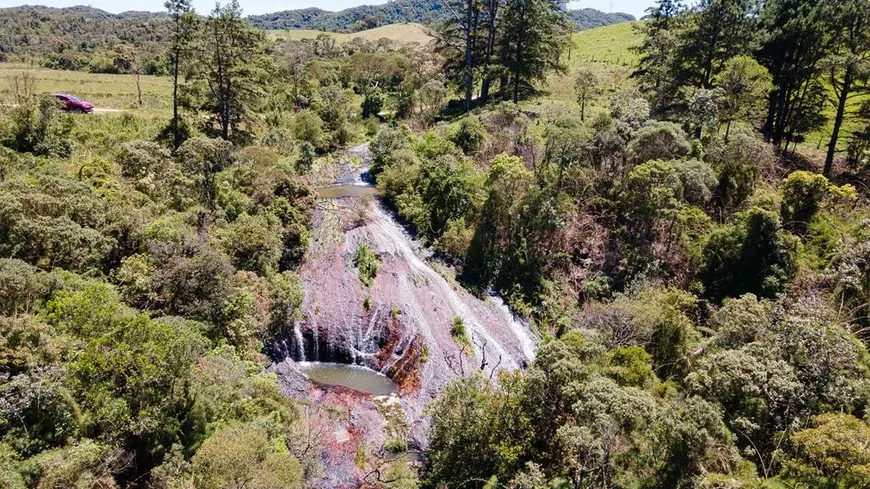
81, 37
589, 18
71, 36
400, 33
394, 12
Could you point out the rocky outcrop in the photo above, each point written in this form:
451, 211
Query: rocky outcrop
400, 325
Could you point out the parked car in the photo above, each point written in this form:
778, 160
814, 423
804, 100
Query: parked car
72, 104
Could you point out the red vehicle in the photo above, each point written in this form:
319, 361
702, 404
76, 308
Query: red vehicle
72, 104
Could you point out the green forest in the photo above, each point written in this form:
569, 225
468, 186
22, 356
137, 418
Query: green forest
677, 208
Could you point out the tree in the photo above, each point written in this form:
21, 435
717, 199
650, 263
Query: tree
655, 67
534, 34
202, 159
794, 43
491, 9
456, 42
714, 32
431, 96
586, 85
744, 85
128, 61
231, 71
848, 63
295, 56
184, 28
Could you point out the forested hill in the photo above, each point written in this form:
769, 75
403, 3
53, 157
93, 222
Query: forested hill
399, 11
64, 35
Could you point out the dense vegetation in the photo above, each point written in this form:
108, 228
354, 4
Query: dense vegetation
700, 287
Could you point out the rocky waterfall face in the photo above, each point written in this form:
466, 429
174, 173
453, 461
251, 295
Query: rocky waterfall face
399, 326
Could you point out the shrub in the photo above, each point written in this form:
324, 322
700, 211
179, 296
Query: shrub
658, 140
395, 445
750, 255
309, 127
802, 195
388, 141
253, 243
457, 331
38, 127
367, 263
305, 161
469, 136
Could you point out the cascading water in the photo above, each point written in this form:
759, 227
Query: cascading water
397, 329
300, 343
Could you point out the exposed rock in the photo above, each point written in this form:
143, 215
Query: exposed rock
399, 326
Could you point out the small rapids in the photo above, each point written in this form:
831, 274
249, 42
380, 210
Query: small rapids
356, 377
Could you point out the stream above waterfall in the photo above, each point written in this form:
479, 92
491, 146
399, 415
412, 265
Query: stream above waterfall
356, 377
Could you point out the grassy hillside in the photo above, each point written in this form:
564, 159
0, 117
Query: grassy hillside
402, 33
104, 90
606, 51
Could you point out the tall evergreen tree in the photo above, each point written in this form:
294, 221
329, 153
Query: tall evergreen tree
233, 48
848, 66
795, 39
457, 39
184, 24
655, 69
534, 35
491, 11
715, 31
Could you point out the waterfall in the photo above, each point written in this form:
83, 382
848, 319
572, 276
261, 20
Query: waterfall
300, 343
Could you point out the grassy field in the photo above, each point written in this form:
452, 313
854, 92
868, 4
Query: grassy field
401, 33
607, 52
104, 91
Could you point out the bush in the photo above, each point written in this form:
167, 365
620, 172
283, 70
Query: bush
308, 127
457, 331
802, 195
751, 255
470, 135
38, 127
388, 141
141, 159
367, 263
305, 161
658, 140
253, 243
395, 445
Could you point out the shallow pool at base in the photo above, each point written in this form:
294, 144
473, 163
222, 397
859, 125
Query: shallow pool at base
340, 191
354, 377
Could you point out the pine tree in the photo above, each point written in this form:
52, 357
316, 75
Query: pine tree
534, 35
184, 26
655, 70
795, 40
848, 65
714, 32
233, 49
